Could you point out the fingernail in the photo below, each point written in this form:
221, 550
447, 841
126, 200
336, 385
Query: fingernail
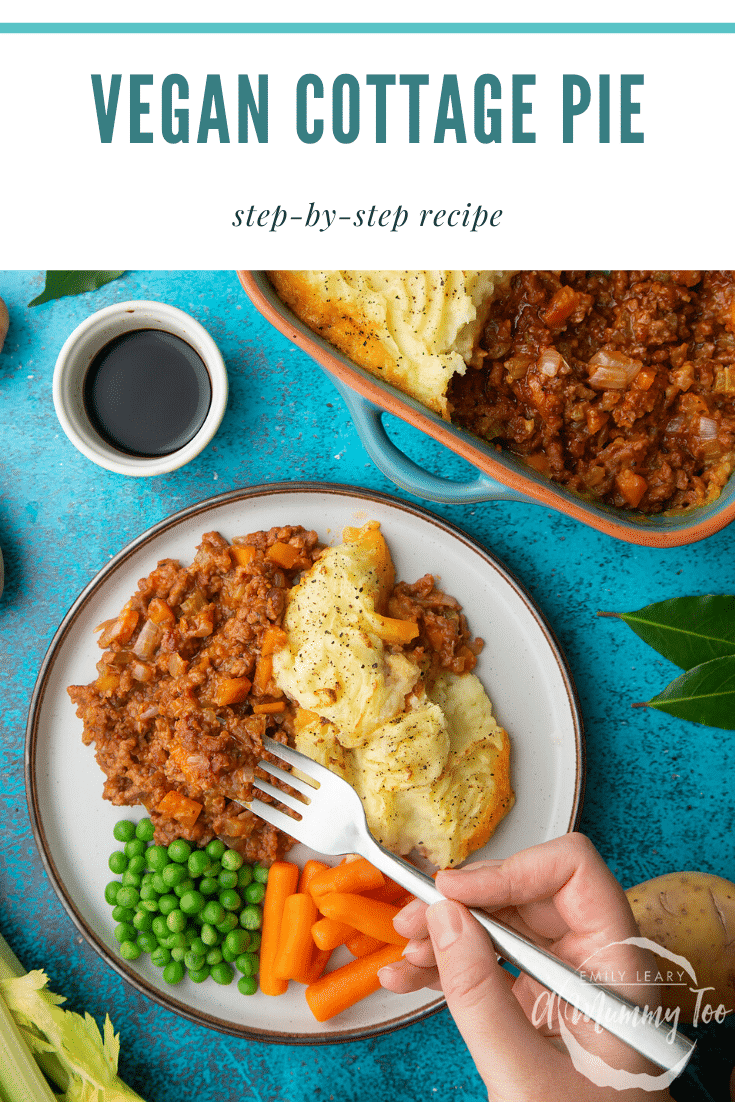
412, 948
387, 973
445, 923
412, 909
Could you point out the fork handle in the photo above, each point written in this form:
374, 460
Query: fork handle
652, 1037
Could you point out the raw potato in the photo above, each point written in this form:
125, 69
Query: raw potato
4, 323
691, 914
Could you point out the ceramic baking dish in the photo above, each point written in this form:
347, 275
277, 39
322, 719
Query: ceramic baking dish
501, 476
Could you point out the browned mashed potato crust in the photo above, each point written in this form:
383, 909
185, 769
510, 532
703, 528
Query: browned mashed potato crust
186, 640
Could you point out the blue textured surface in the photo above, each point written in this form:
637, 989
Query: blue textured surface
660, 792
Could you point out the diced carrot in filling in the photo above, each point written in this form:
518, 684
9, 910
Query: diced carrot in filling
283, 554
176, 806
232, 690
243, 556
632, 486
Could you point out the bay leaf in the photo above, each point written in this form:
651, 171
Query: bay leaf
61, 284
705, 694
686, 630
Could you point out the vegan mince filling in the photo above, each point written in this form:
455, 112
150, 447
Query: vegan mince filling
619, 385
184, 690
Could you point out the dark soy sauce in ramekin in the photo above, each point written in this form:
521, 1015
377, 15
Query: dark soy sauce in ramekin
147, 393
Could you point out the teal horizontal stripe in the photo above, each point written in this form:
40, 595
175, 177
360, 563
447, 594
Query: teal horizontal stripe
367, 28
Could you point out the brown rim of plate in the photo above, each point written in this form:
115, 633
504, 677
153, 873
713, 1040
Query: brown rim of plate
643, 532
122, 967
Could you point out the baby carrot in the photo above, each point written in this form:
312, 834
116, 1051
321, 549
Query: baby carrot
282, 880
295, 945
319, 962
328, 934
362, 944
338, 990
352, 876
309, 871
386, 893
369, 916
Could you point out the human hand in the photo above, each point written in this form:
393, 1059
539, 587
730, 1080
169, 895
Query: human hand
562, 896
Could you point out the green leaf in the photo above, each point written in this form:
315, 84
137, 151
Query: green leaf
686, 630
705, 694
60, 284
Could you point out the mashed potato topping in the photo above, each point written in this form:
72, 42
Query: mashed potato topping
415, 329
431, 765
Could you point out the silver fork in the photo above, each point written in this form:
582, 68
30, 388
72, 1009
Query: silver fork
333, 822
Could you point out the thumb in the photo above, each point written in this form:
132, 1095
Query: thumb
506, 1048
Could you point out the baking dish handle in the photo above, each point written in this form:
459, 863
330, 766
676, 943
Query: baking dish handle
368, 420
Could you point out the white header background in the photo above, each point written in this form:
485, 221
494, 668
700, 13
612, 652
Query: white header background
72, 202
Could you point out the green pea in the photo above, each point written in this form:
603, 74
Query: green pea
145, 830
122, 914
244, 876
178, 953
215, 849
231, 901
255, 939
177, 941
123, 831
176, 921
149, 905
247, 985
147, 891
260, 873
147, 941
192, 902
227, 879
229, 922
142, 921
186, 885
160, 926
197, 863
251, 917
157, 857
127, 896
125, 931
200, 974
159, 883
173, 874
168, 903
179, 851
190, 934
255, 892
209, 934
161, 957
214, 956
231, 860
213, 912
237, 941
136, 847
117, 862
111, 891
198, 946
248, 964
137, 865
222, 974
173, 972
208, 886
129, 950
228, 955
194, 961
131, 879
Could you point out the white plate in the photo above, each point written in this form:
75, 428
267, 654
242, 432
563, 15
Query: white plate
521, 667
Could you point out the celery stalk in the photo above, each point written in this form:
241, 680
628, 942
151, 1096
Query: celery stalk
37, 1035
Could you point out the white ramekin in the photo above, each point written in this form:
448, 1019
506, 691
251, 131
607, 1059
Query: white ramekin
75, 359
